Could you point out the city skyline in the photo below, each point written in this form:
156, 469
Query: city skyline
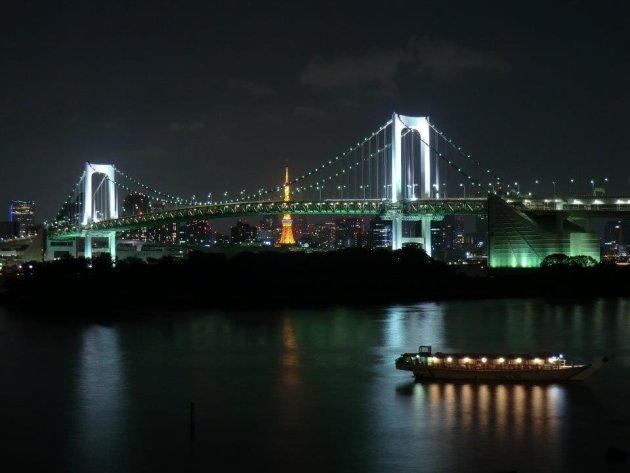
208, 100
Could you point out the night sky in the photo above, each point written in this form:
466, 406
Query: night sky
206, 97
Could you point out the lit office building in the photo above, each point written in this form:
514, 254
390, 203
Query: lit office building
380, 235
22, 213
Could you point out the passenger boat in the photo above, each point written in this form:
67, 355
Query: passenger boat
540, 367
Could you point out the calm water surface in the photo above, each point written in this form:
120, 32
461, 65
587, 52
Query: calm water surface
306, 391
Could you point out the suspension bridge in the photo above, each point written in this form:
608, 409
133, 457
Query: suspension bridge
401, 171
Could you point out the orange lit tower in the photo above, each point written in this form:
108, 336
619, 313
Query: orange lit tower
286, 238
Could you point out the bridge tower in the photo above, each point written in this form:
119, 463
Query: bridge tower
422, 127
286, 237
90, 214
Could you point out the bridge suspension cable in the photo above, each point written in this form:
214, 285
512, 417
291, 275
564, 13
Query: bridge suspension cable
346, 155
461, 151
65, 211
164, 196
443, 156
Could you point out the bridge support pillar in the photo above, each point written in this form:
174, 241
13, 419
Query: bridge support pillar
111, 239
87, 248
397, 233
426, 234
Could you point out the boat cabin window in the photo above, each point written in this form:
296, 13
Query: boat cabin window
425, 350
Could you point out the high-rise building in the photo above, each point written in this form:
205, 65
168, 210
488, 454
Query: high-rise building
438, 239
299, 226
614, 232
196, 232
135, 203
380, 235
22, 212
458, 233
269, 230
612, 244
243, 232
349, 233
324, 233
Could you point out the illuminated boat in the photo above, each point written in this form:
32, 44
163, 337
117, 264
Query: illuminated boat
540, 367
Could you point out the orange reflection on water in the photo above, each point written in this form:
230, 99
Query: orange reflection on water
498, 412
290, 359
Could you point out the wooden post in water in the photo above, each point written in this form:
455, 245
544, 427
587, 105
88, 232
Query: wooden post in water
192, 418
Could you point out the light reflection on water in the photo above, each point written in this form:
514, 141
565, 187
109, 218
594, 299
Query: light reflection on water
100, 400
494, 424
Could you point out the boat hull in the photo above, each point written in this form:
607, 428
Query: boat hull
572, 373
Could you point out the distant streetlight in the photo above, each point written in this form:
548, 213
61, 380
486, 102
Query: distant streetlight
518, 188
462, 185
554, 188
593, 186
364, 187
387, 188
571, 182
319, 188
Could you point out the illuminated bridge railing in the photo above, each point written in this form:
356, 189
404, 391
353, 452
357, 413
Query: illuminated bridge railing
409, 209
590, 205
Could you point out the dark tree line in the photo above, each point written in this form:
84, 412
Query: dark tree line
276, 279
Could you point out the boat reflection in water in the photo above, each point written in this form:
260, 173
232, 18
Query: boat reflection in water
492, 423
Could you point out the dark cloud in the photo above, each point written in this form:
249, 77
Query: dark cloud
380, 66
256, 89
311, 112
148, 151
376, 66
186, 126
444, 58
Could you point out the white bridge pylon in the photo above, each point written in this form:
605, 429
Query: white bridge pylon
90, 214
422, 127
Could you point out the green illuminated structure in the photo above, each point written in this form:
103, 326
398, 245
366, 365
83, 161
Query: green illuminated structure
520, 240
